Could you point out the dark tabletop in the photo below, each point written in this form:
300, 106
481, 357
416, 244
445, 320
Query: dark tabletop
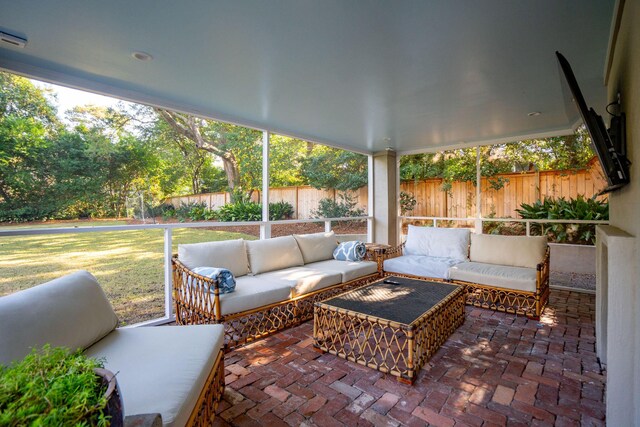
402, 303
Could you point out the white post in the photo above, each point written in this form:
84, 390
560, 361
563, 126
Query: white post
327, 226
371, 196
168, 273
400, 221
265, 228
142, 208
478, 193
528, 228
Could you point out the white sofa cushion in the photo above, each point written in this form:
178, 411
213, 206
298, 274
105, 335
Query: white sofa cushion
350, 270
418, 265
229, 254
71, 311
273, 254
303, 280
161, 369
515, 251
253, 292
316, 246
502, 276
438, 242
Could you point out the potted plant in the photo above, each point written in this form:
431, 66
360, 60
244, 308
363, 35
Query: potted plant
55, 387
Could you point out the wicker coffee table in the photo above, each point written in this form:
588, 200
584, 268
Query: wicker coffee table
392, 327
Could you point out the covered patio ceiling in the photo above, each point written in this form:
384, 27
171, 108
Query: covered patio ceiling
362, 75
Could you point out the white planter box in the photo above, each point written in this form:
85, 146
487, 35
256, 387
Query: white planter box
579, 259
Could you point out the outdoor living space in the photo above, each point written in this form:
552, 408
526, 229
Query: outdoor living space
496, 369
239, 213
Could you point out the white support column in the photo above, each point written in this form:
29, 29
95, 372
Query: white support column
168, 273
265, 229
478, 192
370, 199
385, 197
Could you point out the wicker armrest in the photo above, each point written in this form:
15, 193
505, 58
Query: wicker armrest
394, 252
545, 260
199, 293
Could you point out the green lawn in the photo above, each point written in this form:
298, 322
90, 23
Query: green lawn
129, 264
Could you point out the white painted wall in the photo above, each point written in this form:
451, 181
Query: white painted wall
623, 303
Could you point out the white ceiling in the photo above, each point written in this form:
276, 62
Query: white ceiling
363, 75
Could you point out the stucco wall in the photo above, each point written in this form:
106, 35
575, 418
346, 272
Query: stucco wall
623, 383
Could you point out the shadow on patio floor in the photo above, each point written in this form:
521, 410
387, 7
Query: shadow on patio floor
497, 369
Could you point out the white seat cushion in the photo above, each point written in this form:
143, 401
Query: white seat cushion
161, 369
71, 311
229, 254
515, 251
316, 246
303, 280
502, 276
424, 266
350, 270
253, 292
438, 242
273, 254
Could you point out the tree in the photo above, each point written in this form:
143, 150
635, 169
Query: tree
220, 139
28, 126
328, 167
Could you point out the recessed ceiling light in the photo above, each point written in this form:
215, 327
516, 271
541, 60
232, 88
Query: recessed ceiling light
141, 56
534, 113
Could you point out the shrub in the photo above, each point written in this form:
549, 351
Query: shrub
329, 208
580, 208
239, 211
280, 210
52, 387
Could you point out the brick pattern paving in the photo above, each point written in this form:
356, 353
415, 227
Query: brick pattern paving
497, 369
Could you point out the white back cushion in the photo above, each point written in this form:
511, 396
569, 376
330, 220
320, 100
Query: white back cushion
71, 311
515, 251
317, 246
229, 254
273, 254
438, 242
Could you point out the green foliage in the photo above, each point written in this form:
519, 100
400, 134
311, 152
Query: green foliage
580, 208
193, 211
240, 211
329, 208
559, 153
407, 203
332, 168
52, 387
250, 211
280, 210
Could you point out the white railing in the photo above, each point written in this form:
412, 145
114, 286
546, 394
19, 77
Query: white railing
265, 229
527, 222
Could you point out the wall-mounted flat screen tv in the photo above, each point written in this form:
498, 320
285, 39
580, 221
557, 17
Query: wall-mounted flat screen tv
609, 145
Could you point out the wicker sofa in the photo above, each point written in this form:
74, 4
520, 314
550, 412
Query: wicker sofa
278, 281
504, 273
177, 372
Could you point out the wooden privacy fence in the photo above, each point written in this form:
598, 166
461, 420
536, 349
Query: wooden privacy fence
457, 202
304, 199
460, 200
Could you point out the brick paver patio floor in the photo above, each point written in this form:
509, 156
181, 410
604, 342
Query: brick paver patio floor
497, 369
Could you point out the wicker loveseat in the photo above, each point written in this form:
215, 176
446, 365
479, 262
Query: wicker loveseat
177, 372
504, 273
278, 281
